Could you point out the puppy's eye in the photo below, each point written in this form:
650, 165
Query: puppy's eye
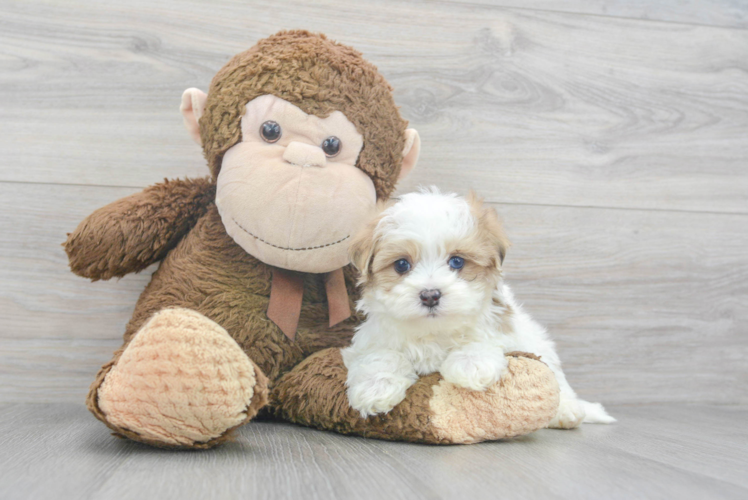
270, 131
402, 266
456, 263
331, 146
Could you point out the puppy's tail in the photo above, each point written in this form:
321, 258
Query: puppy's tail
595, 413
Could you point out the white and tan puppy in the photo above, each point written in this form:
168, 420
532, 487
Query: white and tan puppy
435, 301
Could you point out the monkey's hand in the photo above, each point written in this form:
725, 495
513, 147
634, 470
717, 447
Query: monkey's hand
134, 232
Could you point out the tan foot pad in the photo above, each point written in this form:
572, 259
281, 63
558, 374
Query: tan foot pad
181, 381
434, 411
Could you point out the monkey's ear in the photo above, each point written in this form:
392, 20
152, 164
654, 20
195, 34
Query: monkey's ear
410, 152
192, 107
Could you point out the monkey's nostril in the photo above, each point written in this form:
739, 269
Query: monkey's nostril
430, 298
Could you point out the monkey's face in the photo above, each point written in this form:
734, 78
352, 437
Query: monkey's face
290, 193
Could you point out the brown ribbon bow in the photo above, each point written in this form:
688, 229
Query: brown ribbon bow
287, 290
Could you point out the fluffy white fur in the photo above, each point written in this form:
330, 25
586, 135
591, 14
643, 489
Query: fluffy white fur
465, 336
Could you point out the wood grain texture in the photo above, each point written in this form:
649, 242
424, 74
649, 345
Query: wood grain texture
37, 370
653, 452
40, 297
613, 144
532, 106
646, 306
728, 13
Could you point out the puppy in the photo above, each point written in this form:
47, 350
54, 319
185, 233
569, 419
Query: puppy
435, 300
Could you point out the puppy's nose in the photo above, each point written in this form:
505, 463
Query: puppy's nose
430, 298
304, 155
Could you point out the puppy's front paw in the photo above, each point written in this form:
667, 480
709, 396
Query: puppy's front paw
377, 394
473, 369
570, 414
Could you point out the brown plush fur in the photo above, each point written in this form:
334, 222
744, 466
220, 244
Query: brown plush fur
131, 234
204, 270
211, 274
319, 76
313, 394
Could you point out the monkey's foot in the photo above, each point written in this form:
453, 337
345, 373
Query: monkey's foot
433, 411
181, 382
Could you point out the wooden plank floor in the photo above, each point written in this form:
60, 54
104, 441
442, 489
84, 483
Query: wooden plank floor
612, 136
53, 451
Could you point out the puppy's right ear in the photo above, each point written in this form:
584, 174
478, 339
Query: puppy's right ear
363, 245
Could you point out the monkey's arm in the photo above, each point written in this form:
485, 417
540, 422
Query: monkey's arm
132, 233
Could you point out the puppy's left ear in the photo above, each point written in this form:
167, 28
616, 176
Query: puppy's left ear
490, 225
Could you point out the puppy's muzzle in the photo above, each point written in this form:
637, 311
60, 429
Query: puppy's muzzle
430, 298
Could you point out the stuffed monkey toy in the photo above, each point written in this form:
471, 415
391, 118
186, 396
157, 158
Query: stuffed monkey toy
253, 295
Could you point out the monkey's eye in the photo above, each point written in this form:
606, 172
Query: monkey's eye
270, 131
331, 146
456, 263
402, 266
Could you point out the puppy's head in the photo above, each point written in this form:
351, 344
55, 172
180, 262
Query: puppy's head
430, 256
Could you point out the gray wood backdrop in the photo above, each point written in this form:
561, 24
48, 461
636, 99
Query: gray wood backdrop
611, 135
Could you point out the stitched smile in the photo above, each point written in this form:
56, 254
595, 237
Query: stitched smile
286, 248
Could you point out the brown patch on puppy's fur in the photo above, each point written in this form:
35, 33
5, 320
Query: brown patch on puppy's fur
363, 245
390, 252
375, 259
485, 248
489, 225
481, 260
383, 274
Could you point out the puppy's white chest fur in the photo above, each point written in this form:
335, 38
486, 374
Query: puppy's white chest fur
427, 352
426, 344
428, 355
